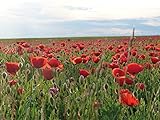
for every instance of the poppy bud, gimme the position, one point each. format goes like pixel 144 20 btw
pixel 71 79
pixel 140 86
pixel 28 65
pixel 12 82
pixel 155 60
pixel 4 75
pixel 28 71
pixel 20 90
pixel 54 90
pixel 65 86
pixel 105 87
pixel 8 90
pixel 96 104
pixel 41 93
pixel 81 79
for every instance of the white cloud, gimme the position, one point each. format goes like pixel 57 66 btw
pixel 152 22
pixel 27 17
pixel 113 31
pixel 94 9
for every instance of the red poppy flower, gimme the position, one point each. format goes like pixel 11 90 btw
pixel 12 67
pixel 127 98
pixel 41 46
pixel 121 80
pixel 153 54
pixel 47 72
pixel 147 65
pixel 129 81
pixel 140 86
pixel 113 65
pixel 141 57
pixel 123 59
pixel 116 56
pixel 133 68
pixel 155 60
pixel 38 62
pixel 20 90
pixel 117 72
pixel 26 45
pixel 62 44
pixel 110 47
pixel 84 72
pixel 134 53
pixel 54 62
pixel 97 53
pixel 12 82
pixel 76 60
pixel 95 59
pixel 80 46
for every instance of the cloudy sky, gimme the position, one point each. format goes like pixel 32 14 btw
pixel 59 18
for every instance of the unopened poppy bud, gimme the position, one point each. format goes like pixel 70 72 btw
pixel 28 65
pixel 4 75
pixel 96 104
pixel 71 79
pixel 116 91
pixel 105 86
pixel 20 90
pixel 28 71
pixel 54 90
pixel 20 64
pixel 22 59
pixel 81 79
pixel 94 86
pixel 8 90
pixel 41 93
pixel 65 86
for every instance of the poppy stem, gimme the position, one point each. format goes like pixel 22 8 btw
pixel 130 46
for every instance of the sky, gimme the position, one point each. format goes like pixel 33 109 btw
pixel 73 18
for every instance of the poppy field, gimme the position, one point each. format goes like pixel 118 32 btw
pixel 80 79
